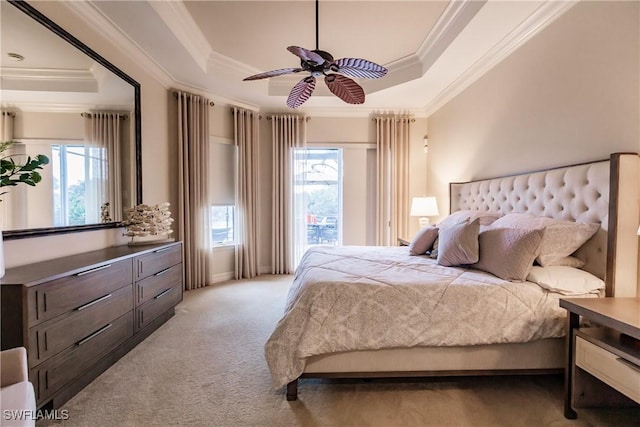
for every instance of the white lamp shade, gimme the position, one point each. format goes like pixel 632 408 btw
pixel 424 206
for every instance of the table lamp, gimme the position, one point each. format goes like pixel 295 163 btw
pixel 424 207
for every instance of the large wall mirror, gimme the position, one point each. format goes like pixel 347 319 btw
pixel 62 99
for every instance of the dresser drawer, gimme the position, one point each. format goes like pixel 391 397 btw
pixel 154 285
pixel 157 305
pixel 63 295
pixel 619 373
pixel 48 339
pixel 53 374
pixel 158 260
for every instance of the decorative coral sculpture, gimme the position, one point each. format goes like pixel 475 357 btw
pixel 148 220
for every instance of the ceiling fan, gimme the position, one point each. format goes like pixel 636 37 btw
pixel 320 63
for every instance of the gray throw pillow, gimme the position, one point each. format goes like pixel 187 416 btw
pixel 458 244
pixel 509 252
pixel 423 240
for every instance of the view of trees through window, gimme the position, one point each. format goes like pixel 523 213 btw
pixel 73 166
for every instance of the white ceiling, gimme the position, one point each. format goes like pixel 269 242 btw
pixel 433 49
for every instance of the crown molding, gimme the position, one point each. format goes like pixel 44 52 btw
pixel 540 19
pixel 449 25
pixel 110 31
pixel 176 16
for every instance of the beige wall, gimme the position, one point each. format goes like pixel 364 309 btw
pixel 570 94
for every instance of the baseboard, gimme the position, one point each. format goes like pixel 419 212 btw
pixel 222 277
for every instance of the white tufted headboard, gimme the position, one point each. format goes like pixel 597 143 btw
pixel 578 193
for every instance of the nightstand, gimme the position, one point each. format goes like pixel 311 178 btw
pixel 602 361
pixel 403 242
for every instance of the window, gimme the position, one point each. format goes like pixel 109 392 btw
pixel 223 162
pixel 222 225
pixel 78 184
pixel 318 197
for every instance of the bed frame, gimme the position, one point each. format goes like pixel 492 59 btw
pixel 579 193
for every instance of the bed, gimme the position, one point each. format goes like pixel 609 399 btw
pixel 380 312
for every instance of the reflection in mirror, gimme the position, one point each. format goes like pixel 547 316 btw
pixel 70 104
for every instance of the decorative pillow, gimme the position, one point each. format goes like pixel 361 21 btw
pixel 565 280
pixel 508 252
pixel 458 244
pixel 457 217
pixel 561 237
pixel 423 240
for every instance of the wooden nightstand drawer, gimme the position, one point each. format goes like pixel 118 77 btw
pixel 619 373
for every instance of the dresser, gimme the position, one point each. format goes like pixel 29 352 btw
pixel 603 353
pixel 78 315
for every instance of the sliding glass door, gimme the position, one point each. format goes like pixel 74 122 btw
pixel 317 198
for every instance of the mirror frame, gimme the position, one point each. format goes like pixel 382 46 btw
pixel 60 32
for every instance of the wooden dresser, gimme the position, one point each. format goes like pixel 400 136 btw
pixel 78 315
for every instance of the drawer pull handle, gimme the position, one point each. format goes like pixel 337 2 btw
pixel 95 301
pixel 93 335
pixel 161 250
pixel 102 267
pixel 160 273
pixel 628 364
pixel 163 293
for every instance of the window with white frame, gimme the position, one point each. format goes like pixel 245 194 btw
pixel 223 163
pixel 79 183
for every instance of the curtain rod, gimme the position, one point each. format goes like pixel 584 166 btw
pixel 121 116
pixel 391 117
pixel 9 113
pixel 176 93
pixel 270 117
pixel 306 118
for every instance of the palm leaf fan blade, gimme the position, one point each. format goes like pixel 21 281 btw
pixel 357 67
pixel 345 88
pixel 273 73
pixel 301 92
pixel 306 55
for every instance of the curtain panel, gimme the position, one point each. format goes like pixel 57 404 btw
pixel 193 188
pixel 103 136
pixel 246 138
pixel 288 132
pixel 392 185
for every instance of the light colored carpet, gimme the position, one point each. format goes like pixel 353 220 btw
pixel 205 367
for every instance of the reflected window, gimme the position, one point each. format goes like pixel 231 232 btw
pixel 79 184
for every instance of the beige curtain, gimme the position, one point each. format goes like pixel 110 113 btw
pixel 288 132
pixel 193 188
pixel 246 139
pixel 6 125
pixel 392 186
pixel 103 131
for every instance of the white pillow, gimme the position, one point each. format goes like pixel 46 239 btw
pixel 565 280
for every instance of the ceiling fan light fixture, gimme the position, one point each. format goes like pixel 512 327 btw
pixel 321 63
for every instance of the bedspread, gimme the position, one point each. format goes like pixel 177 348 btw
pixel 366 298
